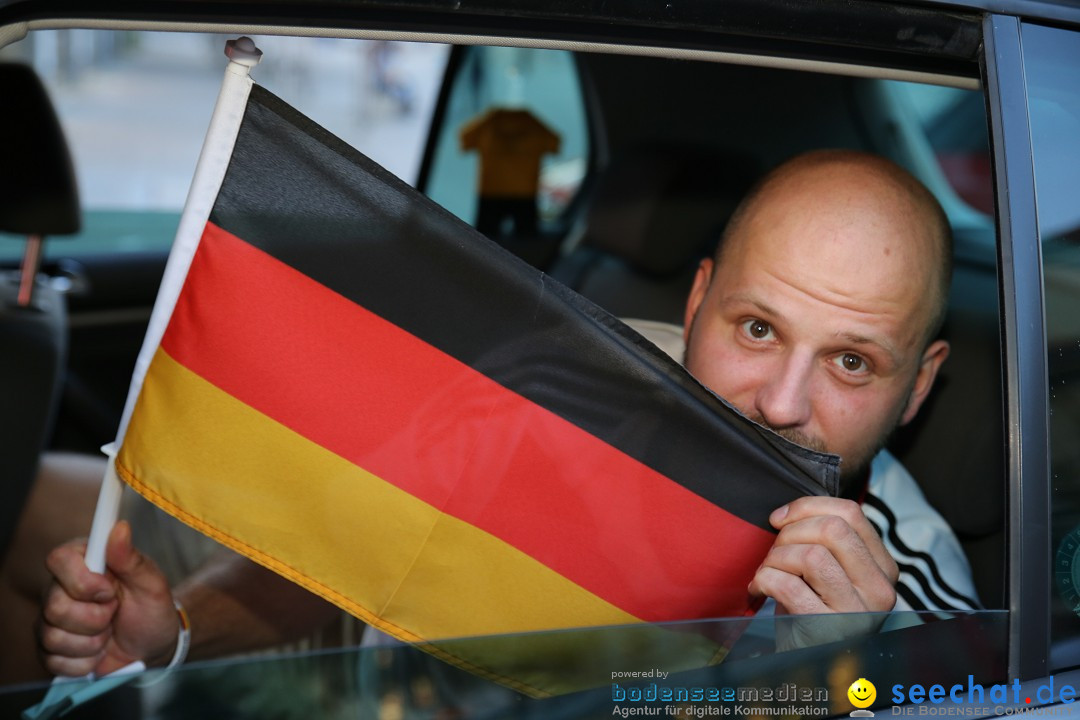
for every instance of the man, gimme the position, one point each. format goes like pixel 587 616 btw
pixel 827 294
pixel 817 318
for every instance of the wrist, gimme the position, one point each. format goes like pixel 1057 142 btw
pixel 176 651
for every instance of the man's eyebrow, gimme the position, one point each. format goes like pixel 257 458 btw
pixel 885 345
pixel 744 297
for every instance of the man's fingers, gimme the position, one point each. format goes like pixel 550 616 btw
pixel 97 623
pixel 790 591
pixel 121 557
pixel 68 566
pixel 56 641
pixel 134 570
pixel 834 533
pixel 852 516
pixel 84 618
pixel 70 654
pixel 70 667
pixel 816 567
pixel 860 570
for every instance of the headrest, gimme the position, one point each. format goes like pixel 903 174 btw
pixel 38 194
pixel 662 207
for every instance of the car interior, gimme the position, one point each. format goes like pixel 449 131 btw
pixel 667 148
pixel 675 160
pixel 39 199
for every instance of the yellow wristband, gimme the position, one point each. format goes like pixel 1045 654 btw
pixel 183 638
pixel 183 643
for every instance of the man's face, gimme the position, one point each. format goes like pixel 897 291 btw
pixel 814 323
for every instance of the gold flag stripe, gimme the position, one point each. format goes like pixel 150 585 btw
pixel 231 472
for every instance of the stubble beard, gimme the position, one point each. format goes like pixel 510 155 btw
pixel 853 471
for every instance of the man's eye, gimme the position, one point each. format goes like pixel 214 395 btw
pixel 758 329
pixel 851 363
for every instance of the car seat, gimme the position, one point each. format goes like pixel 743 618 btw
pixel 38 197
pixel 655 211
pixel 955 447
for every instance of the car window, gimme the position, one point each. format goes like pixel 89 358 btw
pixel 1050 59
pixel 135 106
pixel 941 134
pixel 543 82
pixel 129 208
pixel 954 122
pixel 588 673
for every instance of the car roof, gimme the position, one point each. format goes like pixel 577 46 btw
pixel 906 38
pixel 932 37
pixel 926 30
pixel 749 17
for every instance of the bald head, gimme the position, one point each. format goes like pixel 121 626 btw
pixel 817 315
pixel 872 215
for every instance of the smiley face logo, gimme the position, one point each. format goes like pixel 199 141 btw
pixel 862 693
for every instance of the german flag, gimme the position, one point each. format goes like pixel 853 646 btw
pixel 360 392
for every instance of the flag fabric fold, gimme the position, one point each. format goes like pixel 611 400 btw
pixel 361 392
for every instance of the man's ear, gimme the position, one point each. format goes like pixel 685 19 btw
pixel 932 358
pixel 697 295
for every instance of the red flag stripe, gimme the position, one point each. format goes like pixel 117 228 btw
pixel 388 402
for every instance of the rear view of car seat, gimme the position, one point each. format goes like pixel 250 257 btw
pixel 655 212
pixel 38 197
pixel 955 448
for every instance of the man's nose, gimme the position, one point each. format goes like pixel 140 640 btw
pixel 783 400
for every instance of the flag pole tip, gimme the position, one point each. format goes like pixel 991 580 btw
pixel 242 50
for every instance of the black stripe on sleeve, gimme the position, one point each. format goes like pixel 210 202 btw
pixel 912 599
pixel 894 537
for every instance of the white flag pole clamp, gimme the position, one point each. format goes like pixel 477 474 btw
pixel 243 52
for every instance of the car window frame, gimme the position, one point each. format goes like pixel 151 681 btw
pixel 1024 349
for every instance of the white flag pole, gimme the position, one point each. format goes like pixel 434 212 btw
pixel 209 173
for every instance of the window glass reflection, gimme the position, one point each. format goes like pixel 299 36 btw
pixel 1051 57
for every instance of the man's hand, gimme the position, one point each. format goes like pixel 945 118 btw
pixel 100 623
pixel 826 559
